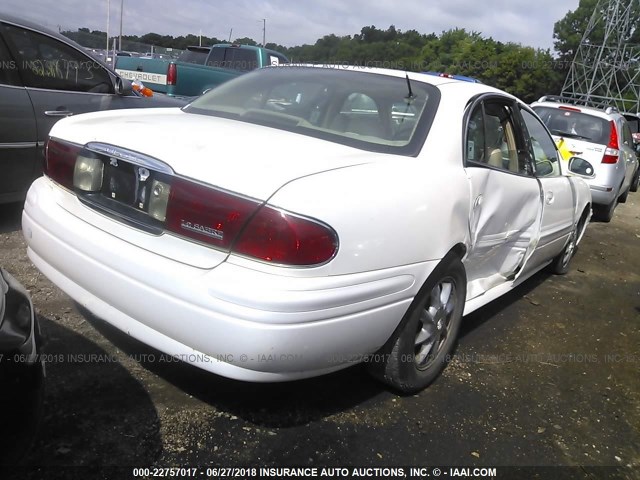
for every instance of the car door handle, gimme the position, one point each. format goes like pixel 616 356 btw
pixel 58 113
pixel 549 198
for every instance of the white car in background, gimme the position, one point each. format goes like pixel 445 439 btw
pixel 601 136
pixel 298 220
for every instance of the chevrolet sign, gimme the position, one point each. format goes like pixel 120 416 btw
pixel 144 77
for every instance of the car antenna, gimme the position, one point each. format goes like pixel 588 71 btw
pixel 410 96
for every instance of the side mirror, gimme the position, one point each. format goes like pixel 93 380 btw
pixel 582 168
pixel 544 168
pixel 123 87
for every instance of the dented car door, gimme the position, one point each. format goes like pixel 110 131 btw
pixel 506 202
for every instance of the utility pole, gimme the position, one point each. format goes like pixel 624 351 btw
pixel 264 31
pixel 121 13
pixel 108 18
pixel 230 32
pixel 605 70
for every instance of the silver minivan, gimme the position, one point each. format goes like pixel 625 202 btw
pixel 602 137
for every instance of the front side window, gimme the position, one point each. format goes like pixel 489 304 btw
pixel 364 110
pixel 542 149
pixel 45 62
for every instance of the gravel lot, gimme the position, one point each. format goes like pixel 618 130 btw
pixel 547 376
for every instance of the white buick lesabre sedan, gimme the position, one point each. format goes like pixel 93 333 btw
pixel 297 220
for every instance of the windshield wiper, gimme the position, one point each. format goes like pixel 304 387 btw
pixel 570 135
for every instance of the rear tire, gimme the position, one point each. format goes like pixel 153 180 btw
pixel 421 346
pixel 560 264
pixel 635 181
pixel 623 198
pixel 604 213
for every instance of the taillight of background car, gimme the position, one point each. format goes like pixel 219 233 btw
pixel 172 74
pixel 612 152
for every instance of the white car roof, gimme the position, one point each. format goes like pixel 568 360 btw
pixel 596 112
pixel 468 88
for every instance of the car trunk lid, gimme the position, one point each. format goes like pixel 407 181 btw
pixel 216 173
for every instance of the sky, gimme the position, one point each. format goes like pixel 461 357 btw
pixel 291 23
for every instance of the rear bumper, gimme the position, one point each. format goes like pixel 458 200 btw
pixel 230 320
pixel 601 196
pixel 606 184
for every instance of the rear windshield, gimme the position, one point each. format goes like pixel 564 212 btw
pixel 364 110
pixel 234 58
pixel 569 123
pixel 194 56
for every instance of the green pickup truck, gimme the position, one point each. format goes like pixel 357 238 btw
pixel 197 69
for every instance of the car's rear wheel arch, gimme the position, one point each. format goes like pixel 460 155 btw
pixel 457 252
pixel 582 223
pixel 384 363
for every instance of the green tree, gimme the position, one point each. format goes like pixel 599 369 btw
pixel 245 41
pixel 151 38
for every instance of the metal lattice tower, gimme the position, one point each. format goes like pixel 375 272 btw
pixel 606 69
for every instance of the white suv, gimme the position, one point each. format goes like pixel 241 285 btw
pixel 603 138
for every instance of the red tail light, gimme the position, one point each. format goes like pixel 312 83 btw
pixel 280 237
pixel 210 216
pixel 60 160
pixel 172 74
pixel 612 152
pixel 247 227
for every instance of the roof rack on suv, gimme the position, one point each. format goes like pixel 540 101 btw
pixel 579 101
pixel 556 98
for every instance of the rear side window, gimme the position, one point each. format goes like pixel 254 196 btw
pixel 45 62
pixel 8 67
pixel 276 59
pixel 573 124
pixel 492 137
pixel 475 137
